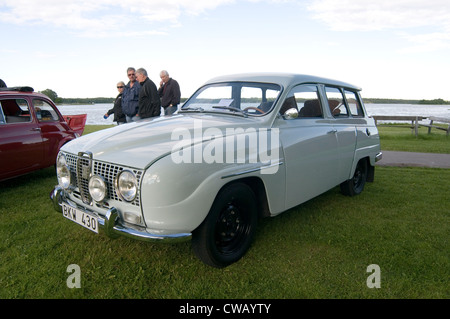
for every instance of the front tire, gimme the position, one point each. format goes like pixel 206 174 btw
pixel 227 232
pixel 355 185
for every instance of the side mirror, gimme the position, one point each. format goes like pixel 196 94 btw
pixel 290 114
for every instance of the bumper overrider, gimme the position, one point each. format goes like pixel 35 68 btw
pixel 111 224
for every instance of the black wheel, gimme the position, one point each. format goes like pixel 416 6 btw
pixel 227 232
pixel 355 185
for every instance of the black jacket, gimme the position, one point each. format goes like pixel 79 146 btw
pixel 149 102
pixel 170 93
pixel 119 117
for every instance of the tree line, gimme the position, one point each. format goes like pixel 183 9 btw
pixel 403 101
pixel 98 100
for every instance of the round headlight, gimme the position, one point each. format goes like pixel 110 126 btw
pixel 63 171
pixel 127 186
pixel 97 188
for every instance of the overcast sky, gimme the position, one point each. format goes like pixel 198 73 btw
pixel 390 48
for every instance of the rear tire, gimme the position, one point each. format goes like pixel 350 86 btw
pixel 227 232
pixel 355 185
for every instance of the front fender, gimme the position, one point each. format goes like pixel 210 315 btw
pixel 177 195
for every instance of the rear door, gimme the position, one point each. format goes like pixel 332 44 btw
pixel 52 132
pixel 346 126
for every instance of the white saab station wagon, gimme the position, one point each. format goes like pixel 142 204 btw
pixel 242 147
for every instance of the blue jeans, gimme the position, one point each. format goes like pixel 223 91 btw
pixel 133 118
pixel 170 110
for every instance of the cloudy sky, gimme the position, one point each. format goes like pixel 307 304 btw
pixel 390 48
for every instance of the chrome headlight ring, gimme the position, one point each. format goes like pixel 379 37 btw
pixel 63 171
pixel 126 185
pixel 97 188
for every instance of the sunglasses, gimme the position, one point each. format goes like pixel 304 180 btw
pixel 131 74
pixel 120 87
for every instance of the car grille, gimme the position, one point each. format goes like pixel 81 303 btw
pixel 82 165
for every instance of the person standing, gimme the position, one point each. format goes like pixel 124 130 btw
pixel 169 92
pixel 130 96
pixel 149 101
pixel 119 117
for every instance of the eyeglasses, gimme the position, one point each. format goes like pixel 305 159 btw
pixel 120 87
pixel 131 74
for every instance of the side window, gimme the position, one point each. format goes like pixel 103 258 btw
pixel 354 104
pixel 305 98
pixel 14 111
pixel 2 116
pixel 258 100
pixel 336 102
pixel 44 111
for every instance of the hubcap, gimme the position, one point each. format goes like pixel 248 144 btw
pixel 230 228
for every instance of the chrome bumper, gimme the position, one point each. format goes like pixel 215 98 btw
pixel 378 157
pixel 113 229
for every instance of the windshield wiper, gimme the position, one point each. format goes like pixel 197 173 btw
pixel 234 109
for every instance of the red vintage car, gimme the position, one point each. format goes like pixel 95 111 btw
pixel 32 131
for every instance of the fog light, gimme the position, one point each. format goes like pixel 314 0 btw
pixel 132 218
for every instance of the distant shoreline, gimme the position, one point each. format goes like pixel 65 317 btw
pixel 109 100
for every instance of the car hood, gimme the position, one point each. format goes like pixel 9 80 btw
pixel 138 144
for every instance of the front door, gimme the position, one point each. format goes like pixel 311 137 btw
pixel 21 148
pixel 310 148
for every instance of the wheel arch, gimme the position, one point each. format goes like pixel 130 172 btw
pixel 370 168
pixel 257 186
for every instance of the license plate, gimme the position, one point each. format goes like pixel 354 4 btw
pixel 81 218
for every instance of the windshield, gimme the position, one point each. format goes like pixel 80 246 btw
pixel 239 98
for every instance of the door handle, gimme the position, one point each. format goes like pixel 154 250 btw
pixel 334 131
pixel 36 129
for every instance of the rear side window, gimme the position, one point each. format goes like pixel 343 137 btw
pixel 14 111
pixel 336 102
pixel 353 104
pixel 44 111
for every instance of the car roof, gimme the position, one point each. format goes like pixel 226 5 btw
pixel 284 79
pixel 21 90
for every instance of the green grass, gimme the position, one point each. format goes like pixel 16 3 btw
pixel 401 138
pixel 393 137
pixel 320 249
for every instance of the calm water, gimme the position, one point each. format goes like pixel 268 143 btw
pixel 95 112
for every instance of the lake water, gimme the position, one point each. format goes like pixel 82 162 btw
pixel 95 112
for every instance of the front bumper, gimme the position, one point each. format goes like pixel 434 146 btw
pixel 112 226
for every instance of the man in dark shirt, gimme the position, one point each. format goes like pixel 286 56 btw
pixel 149 101
pixel 170 94
pixel 130 96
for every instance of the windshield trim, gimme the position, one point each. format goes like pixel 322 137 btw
pixel 219 109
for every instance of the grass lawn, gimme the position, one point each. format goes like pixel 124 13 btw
pixel 320 249
pixel 400 138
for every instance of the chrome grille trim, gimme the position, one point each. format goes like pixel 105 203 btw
pixel 108 171
pixel 84 169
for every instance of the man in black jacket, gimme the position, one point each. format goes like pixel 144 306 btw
pixel 169 91
pixel 149 102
